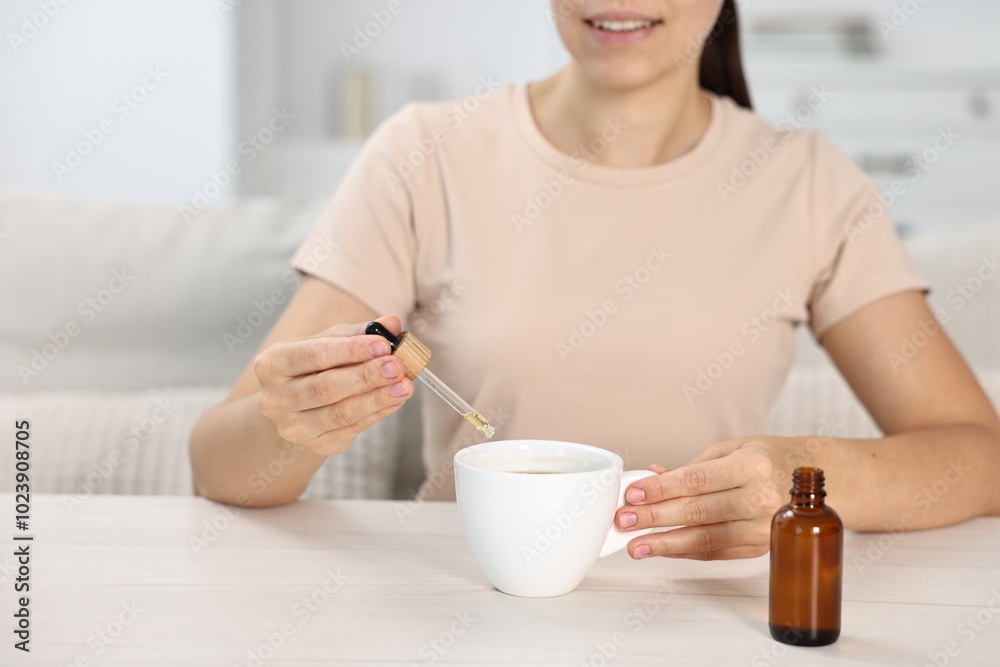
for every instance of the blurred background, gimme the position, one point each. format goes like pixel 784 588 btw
pixel 161 160
pixel 898 72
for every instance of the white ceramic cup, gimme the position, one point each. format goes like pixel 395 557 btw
pixel 539 513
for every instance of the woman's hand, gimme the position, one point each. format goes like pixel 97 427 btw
pixel 724 500
pixel 322 391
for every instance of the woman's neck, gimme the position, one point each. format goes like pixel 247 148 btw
pixel 661 121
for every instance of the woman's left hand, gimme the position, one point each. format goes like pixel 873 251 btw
pixel 724 500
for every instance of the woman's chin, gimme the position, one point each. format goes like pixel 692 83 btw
pixel 623 76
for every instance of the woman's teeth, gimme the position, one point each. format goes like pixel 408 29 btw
pixel 621 26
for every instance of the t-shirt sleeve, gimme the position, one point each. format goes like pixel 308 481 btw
pixel 858 257
pixel 365 241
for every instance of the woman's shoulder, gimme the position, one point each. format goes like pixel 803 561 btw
pixel 790 139
pixel 409 147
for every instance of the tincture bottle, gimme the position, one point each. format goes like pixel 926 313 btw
pixel 807 553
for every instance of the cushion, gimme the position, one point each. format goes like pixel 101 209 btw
pixel 117 297
pixel 85 442
pixel 963 266
pixel 817 400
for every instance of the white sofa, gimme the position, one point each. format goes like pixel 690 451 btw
pixel 121 323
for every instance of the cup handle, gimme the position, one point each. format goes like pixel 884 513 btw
pixel 617 539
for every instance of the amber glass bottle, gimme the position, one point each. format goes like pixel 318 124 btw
pixel 807 553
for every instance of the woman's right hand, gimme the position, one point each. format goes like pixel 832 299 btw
pixel 322 391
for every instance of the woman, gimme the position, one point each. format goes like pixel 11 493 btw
pixel 583 265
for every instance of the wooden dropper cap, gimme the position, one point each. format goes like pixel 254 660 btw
pixel 414 354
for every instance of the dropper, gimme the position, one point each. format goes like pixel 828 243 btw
pixel 415 357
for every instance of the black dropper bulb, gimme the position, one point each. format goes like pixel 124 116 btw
pixel 376 329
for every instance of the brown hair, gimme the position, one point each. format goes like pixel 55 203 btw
pixel 721 70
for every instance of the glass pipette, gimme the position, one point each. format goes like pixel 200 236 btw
pixel 415 356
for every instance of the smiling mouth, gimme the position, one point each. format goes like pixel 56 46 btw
pixel 622 26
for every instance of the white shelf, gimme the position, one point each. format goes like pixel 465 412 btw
pixel 869 74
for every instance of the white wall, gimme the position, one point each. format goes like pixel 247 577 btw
pixel 64 80
pixel 432 48
pixel 291 54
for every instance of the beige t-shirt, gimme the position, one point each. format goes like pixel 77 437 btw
pixel 647 311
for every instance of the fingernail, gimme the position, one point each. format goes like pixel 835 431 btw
pixel 642 551
pixel 379 348
pixel 398 390
pixel 627 520
pixel 635 495
pixel 389 370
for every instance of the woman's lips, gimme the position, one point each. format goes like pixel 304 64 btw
pixel 620 32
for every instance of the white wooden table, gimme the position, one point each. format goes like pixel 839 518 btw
pixel 118 582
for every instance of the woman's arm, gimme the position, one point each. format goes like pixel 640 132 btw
pixel 319 391
pixel 938 464
pixel 940 459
